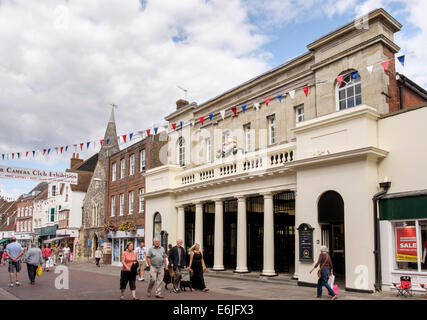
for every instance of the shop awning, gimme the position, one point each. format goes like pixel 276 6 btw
pixel 4 240
pixel 54 239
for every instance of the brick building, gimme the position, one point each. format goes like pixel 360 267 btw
pixel 125 205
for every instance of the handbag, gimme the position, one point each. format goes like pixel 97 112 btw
pixel 319 272
pixel 39 271
pixel 134 269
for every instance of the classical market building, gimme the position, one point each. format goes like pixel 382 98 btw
pixel 264 174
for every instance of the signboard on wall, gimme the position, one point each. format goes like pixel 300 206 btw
pixel 107 247
pixel 305 242
pixel 37 174
pixel 406 244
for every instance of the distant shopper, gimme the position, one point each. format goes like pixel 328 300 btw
pixel 140 253
pixel 156 260
pixel 25 249
pixel 66 254
pixel 325 263
pixel 33 258
pixel 4 257
pixel 129 271
pixel 98 256
pixel 55 252
pixel 14 253
pixel 47 256
pixel 1 252
pixel 197 267
pixel 177 261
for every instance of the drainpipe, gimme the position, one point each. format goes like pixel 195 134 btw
pixel 377 251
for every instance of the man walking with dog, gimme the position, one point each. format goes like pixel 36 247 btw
pixel 177 262
pixel 156 260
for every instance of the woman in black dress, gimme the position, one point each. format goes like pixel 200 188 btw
pixel 197 267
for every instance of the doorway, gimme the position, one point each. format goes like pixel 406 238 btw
pixel 230 234
pixel 331 219
pixel 255 233
pixel 208 233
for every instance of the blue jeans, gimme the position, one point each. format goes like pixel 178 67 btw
pixel 323 281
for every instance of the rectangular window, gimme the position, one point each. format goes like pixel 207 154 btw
pixel 132 165
pixel 19 212
pixel 114 173
pixel 208 149
pixel 26 211
pixel 122 168
pixel 248 142
pixel 122 202
pixel 141 200
pixel 29 226
pixel 272 129
pixel 142 160
pixel 52 214
pixel 299 114
pixel 53 191
pixel 113 206
pixel 31 211
pixel 131 198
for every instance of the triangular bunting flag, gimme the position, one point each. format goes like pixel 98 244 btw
pixel 292 93
pixel 44 151
pixel 155 130
pixel 18 155
pixel 193 122
pixel 87 145
pixel 256 105
pixel 81 146
pixel 370 68
pixel 148 132
pixel 56 149
pixel 130 136
pixel 339 79
pixel 124 138
pixel 174 126
pixel 267 100
pixel 3 156
pixel 34 153
pixel 182 124
pixel 201 119
pixel 355 75
pixel 279 97
pixel 222 112
pixel 13 155
pixel 244 108
pixel 305 90
pixel 101 142
pixel 66 148
pixel 234 111
pixel 401 60
pixel 210 116
pixel 26 155
pixel 48 151
pixel 62 148
pixel 385 65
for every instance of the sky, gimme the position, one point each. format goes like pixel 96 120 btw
pixel 62 63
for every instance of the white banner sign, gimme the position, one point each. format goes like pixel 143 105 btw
pixel 38 174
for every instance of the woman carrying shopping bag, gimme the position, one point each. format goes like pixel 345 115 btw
pixel 47 253
pixel 34 260
pixel 325 263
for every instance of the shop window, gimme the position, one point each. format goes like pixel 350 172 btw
pixel 423 231
pixel 405 235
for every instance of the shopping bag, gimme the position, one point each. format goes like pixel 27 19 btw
pixel 39 271
pixel 331 280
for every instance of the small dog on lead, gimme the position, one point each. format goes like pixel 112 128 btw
pixel 185 284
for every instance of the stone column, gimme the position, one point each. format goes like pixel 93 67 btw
pixel 268 269
pixel 181 223
pixel 242 265
pixel 219 237
pixel 199 225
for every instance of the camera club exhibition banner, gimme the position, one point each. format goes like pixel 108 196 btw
pixel 38 174
pixel 406 246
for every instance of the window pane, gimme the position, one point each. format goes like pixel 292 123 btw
pixel 350 91
pixel 358 100
pixel 350 102
pixel 342 104
pixel 342 94
pixel 358 88
pixel 405 246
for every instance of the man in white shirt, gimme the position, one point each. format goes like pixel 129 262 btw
pixel 140 254
pixel 66 253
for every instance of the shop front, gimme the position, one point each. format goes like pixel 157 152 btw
pixel 46 234
pixel 403 228
pixel 24 238
pixel 119 239
pixel 70 237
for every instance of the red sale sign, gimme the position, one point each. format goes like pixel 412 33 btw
pixel 406 244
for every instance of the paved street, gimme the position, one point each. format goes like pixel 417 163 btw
pixel 88 282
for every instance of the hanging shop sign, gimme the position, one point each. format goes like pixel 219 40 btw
pixel 406 244
pixel 305 242
pixel 37 174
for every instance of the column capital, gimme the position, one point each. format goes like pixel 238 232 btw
pixel 199 203
pixel 241 197
pixel 218 200
pixel 267 194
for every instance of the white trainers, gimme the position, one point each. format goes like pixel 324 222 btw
pixel 11 285
pixel 18 283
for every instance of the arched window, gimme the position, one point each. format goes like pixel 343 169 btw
pixel 349 93
pixel 181 151
pixel 157 225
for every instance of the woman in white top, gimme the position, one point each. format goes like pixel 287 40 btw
pixel 65 253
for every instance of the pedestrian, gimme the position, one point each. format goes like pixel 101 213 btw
pixel 4 257
pixel 34 259
pixel 14 253
pixel 24 247
pixel 197 267
pixel 129 271
pixel 177 262
pixel 140 253
pixel 325 263
pixel 55 252
pixel 156 260
pixel 98 256
pixel 47 253
pixel 1 252
pixel 65 253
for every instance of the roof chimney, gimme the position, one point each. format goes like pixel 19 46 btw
pixel 181 103
pixel 75 161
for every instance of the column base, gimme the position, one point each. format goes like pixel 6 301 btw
pixel 241 271
pixel 268 273
pixel 218 268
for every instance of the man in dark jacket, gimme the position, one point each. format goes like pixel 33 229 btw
pixel 177 261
